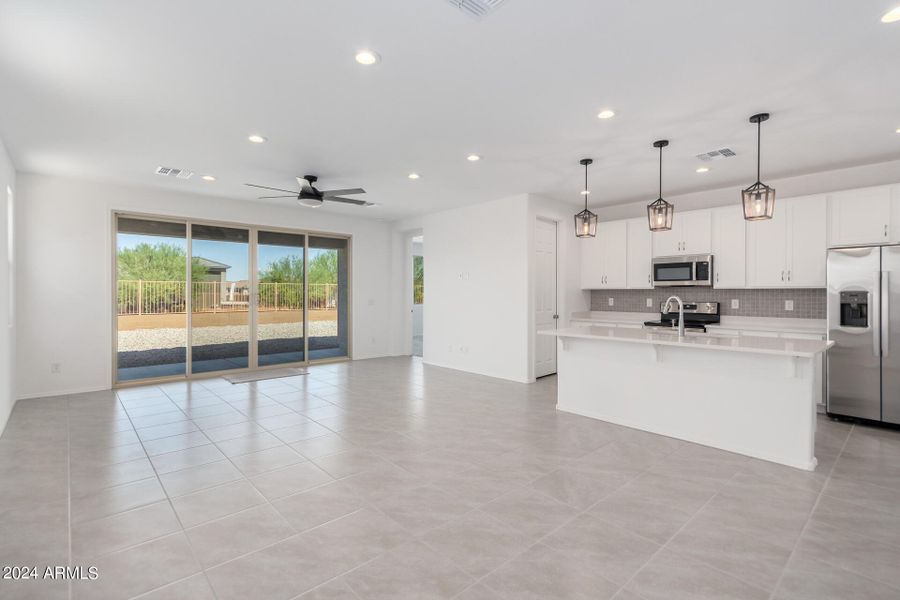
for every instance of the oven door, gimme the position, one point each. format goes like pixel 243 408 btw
pixel 673 273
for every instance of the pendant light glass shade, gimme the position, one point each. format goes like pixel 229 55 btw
pixel 758 199
pixel 585 224
pixel 659 215
pixel 659 212
pixel 585 221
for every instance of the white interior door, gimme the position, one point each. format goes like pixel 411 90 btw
pixel 545 315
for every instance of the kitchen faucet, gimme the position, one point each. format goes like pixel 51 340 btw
pixel 667 308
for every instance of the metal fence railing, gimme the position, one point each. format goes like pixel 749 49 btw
pixel 139 297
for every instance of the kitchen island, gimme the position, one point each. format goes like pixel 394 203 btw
pixel 750 395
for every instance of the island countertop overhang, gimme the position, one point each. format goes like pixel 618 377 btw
pixel 757 345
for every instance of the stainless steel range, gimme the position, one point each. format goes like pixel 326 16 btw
pixel 697 315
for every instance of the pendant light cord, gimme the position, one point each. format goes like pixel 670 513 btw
pixel 585 187
pixel 758 138
pixel 660 171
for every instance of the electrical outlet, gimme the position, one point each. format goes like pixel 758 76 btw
pixel 788 305
pixel 54 368
pixel 649 302
pixel 735 303
pixel 612 301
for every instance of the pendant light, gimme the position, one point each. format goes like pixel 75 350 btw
pixel 660 212
pixel 585 221
pixel 758 199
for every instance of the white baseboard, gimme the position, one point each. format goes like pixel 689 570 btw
pixel 69 392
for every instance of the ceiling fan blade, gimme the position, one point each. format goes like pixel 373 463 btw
pixel 345 192
pixel 346 200
pixel 265 187
pixel 267 197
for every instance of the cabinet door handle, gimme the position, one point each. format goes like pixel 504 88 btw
pixel 789 275
pixel 782 275
pixel 717 277
pixel 885 230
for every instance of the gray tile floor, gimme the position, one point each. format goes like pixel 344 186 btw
pixel 387 479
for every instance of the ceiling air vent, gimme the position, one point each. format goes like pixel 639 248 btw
pixel 716 154
pixel 170 172
pixel 477 8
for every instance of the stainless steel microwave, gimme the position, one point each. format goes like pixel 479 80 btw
pixel 694 270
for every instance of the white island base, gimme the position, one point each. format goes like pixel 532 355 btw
pixel 752 396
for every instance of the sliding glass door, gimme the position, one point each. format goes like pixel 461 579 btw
pixel 196 298
pixel 280 262
pixel 151 295
pixel 329 307
pixel 220 298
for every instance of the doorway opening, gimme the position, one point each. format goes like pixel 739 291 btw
pixel 418 300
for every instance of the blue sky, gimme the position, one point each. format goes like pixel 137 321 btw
pixel 230 253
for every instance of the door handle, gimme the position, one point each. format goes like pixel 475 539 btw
pixel 782 275
pixel 876 299
pixel 885 314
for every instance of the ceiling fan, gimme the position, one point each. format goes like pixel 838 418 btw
pixel 314 198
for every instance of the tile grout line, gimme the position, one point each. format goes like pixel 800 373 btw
pixel 171 506
pixel 809 520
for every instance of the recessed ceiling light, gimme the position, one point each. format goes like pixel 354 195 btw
pixel 703 169
pixel 367 57
pixel 898 130
pixel 606 114
pixel 256 139
pixel 891 16
pixel 413 175
pixel 473 157
pixel 208 178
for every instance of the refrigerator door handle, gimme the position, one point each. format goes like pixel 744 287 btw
pixel 885 314
pixel 876 314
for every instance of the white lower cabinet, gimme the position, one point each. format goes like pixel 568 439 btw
pixel 639 255
pixel 729 247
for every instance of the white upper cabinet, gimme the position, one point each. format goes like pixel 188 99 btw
pixel 789 249
pixel 729 247
pixel 690 234
pixel 603 258
pixel 861 216
pixel 809 247
pixel 638 255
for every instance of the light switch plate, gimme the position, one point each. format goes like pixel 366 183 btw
pixel 612 301
pixel 649 302
pixel 788 305
pixel 735 303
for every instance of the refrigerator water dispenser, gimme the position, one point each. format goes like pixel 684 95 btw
pixel 855 309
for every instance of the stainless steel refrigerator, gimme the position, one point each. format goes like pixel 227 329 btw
pixel 864 322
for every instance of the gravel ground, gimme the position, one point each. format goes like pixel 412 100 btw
pixel 153 339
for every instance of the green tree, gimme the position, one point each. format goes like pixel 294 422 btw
pixel 287 269
pixel 156 262
pixel 418 279
pixel 323 267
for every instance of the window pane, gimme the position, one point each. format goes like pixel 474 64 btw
pixel 280 331
pixel 151 267
pixel 329 310
pixel 220 296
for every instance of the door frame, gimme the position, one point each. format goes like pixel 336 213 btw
pixel 253 317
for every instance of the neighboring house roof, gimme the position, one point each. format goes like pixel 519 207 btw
pixel 213 266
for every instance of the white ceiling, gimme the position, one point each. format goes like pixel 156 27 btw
pixel 112 89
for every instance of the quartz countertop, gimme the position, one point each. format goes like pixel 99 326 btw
pixel 781 325
pixel 752 344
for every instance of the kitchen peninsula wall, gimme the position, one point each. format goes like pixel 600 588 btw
pixel 808 303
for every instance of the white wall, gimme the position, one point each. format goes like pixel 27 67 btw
pixel 479 278
pixel 7 291
pixel 65 280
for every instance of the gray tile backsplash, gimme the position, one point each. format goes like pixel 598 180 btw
pixel 808 303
